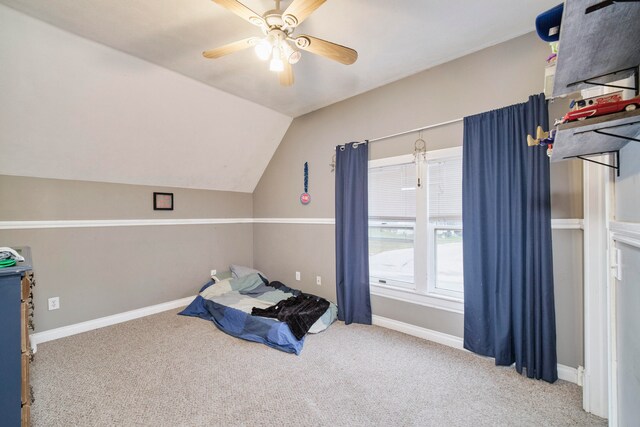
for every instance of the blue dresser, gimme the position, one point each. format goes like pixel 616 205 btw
pixel 15 306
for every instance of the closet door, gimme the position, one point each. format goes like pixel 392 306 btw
pixel 627 315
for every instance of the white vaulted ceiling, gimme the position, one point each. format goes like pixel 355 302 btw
pixel 98 92
pixel 78 110
pixel 394 39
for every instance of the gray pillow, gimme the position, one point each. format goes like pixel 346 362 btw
pixel 222 276
pixel 241 271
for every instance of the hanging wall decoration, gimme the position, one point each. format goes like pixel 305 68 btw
pixel 305 198
pixel 420 155
pixel 162 201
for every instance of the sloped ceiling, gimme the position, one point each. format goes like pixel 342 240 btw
pixel 394 39
pixel 75 109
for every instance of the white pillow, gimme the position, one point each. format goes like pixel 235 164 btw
pixel 241 271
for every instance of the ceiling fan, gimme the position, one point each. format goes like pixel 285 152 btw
pixel 278 41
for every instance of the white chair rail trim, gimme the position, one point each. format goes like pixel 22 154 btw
pixel 556 224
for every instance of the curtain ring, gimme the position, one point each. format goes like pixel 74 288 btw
pixel 342 148
pixel 355 145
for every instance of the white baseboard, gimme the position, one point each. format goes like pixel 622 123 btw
pixel 565 373
pixel 89 325
pixel 417 331
pixel 570 374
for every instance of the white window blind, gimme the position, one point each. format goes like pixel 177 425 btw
pixel 392 192
pixel 445 189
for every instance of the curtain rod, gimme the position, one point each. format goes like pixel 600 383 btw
pixel 416 130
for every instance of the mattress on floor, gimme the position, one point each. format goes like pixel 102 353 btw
pixel 228 305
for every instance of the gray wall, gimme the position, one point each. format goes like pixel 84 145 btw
pixel 498 76
pixel 627 184
pixel 100 271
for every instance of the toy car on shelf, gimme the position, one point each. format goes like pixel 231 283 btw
pixel 599 106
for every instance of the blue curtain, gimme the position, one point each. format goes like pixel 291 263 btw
pixel 509 309
pixel 352 233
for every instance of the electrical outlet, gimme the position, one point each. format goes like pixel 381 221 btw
pixel 213 272
pixel 54 303
pixel 297 275
pixel 318 280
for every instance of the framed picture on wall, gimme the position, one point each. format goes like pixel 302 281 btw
pixel 162 201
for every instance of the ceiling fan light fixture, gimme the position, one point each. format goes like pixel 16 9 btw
pixel 295 57
pixel 263 49
pixel 292 56
pixel 276 63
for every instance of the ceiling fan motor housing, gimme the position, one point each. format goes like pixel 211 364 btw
pixel 273 18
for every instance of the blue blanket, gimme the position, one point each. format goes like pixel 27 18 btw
pixel 228 305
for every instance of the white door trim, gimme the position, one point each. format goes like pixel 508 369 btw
pixel 597 208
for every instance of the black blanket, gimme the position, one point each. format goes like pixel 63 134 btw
pixel 299 312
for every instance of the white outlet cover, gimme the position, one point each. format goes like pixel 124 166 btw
pixel 318 280
pixel 54 303
pixel 297 275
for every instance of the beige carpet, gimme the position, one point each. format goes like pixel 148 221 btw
pixel 169 370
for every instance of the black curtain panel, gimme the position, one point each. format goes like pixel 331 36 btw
pixel 352 233
pixel 508 268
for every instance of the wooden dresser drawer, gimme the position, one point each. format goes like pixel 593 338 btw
pixel 24 333
pixel 26 391
pixel 25 289
pixel 26 416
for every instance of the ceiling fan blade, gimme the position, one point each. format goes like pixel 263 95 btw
pixel 230 48
pixel 299 10
pixel 242 11
pixel 286 75
pixel 327 49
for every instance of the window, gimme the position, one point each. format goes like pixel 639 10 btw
pixel 444 182
pixel 415 232
pixel 392 223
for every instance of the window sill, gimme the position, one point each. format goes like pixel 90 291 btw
pixel 440 302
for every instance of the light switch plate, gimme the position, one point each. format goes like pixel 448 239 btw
pixel 617 264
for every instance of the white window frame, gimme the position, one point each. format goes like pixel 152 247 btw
pixel 424 292
pixel 447 153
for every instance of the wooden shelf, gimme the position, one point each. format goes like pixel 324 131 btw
pixel 599 47
pixel 596 135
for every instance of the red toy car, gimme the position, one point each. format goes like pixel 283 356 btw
pixel 600 106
